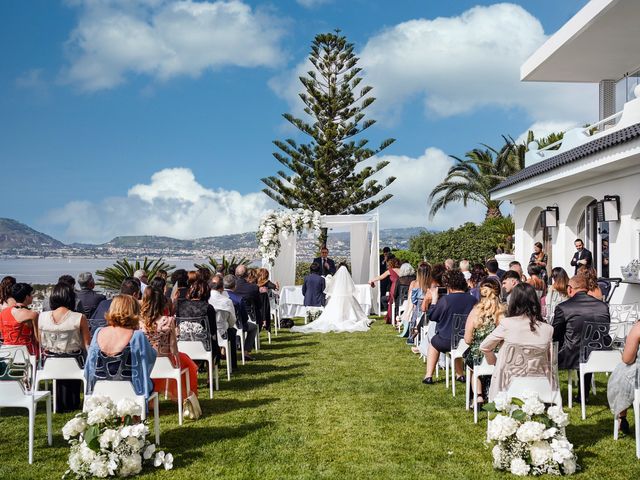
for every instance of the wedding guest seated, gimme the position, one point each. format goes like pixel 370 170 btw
pixel 442 311
pixel 141 275
pixel 90 299
pixel 516 266
pixel 557 292
pixel 510 279
pixel 249 292
pixel 622 381
pixel 494 269
pixel 64 333
pixel 535 280
pixel 6 300
pixel 129 286
pixel 482 320
pixel 242 318
pixel 464 268
pixel 197 305
pixel 407 274
pixel 418 290
pixel 18 324
pixel 313 287
pixel 180 281
pixel 568 322
pixel 222 303
pixel 192 276
pixel 522 325
pixel 69 280
pixel 591 276
pixel 449 263
pixel 266 288
pixel 160 330
pixel 203 274
pixel 120 351
pixel 478 273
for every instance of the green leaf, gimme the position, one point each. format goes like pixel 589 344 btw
pixel 91 435
pixel 490 407
pixel 519 415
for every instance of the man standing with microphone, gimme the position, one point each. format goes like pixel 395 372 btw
pixel 327 266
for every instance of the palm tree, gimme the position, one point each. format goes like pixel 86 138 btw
pixel 111 277
pixel 225 263
pixel 471 178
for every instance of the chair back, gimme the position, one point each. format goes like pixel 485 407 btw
pixel 194 329
pixel 115 389
pixel 457 332
pixel 112 368
pixel 401 293
pixel 12 393
pixel 521 386
pixel 527 361
pixel 163 366
pixel 251 310
pixel 61 341
pixel 16 364
pixel 222 323
pixel 624 312
pixel 598 336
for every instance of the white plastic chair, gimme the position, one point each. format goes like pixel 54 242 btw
pixel 22 352
pixel 481 370
pixel 59 369
pixel 520 386
pixel 197 344
pixel 275 312
pixel 222 317
pixel 164 369
pixel 13 394
pixel 458 347
pixel 624 312
pixel 117 390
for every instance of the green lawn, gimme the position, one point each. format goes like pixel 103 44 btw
pixel 329 406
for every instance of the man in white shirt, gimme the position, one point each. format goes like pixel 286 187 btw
pixel 220 300
pixel 464 268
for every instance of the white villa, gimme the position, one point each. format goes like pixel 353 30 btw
pixel 589 187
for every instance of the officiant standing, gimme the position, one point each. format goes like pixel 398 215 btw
pixel 327 266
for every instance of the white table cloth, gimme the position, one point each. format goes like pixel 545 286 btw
pixel 292 300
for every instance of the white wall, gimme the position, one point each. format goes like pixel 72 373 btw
pixel 624 236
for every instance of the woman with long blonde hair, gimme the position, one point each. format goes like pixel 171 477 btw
pixel 418 289
pixel 482 320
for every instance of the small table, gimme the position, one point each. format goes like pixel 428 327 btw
pixel 292 300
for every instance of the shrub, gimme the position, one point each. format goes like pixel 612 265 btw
pixel 470 241
pixel 408 256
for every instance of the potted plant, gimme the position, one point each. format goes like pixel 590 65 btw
pixel 505 231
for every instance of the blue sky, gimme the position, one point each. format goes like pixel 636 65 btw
pixel 158 116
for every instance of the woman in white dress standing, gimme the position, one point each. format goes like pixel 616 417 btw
pixel 342 313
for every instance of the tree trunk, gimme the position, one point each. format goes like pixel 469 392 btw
pixel 493 212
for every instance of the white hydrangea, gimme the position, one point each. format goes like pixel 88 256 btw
pixel 530 432
pixel 149 451
pixel 502 401
pixel 86 454
pixel 541 452
pixel 127 406
pixel 569 466
pixel 109 436
pixel 74 427
pixel 98 467
pixel 95 401
pixel 558 416
pixel 562 450
pixel 502 427
pixel 100 414
pixel 549 433
pixel 498 456
pixel 130 465
pixel 75 461
pixel 519 467
pixel 533 406
pixel 165 460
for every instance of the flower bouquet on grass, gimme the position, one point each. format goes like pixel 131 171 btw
pixel 529 439
pixel 105 442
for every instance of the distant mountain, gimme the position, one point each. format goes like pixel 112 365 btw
pixel 19 239
pixel 18 236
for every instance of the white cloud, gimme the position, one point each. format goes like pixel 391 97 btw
pixel 172 204
pixel 312 3
pixel 416 177
pixel 457 65
pixel 163 39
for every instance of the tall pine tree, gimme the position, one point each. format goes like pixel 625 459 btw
pixel 328 173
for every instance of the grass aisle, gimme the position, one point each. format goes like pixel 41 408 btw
pixel 348 406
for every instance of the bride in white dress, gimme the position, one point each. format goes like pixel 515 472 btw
pixel 343 313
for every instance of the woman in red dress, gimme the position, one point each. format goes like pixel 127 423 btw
pixel 18 323
pixel 393 272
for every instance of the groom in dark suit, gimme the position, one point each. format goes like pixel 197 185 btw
pixel 313 287
pixel 327 266
pixel 582 257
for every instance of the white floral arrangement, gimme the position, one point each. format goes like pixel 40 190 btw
pixel 312 313
pixel 287 222
pixel 105 441
pixel 529 439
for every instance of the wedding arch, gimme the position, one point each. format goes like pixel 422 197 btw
pixel 278 235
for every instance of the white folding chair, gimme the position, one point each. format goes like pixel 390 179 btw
pixel 458 347
pixel 194 339
pixel 117 390
pixel 13 394
pixel 164 369
pixel 481 370
pixel 600 352
pixel 54 369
